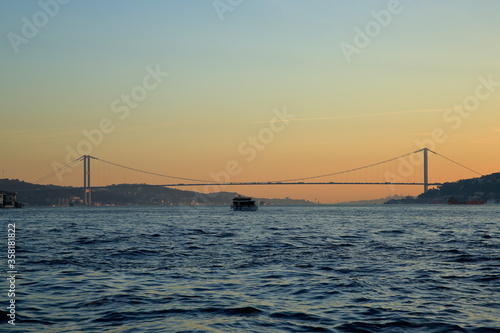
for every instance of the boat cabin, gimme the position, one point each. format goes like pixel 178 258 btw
pixel 243 203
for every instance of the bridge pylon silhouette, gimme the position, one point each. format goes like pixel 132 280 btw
pixel 87 189
pixel 426 169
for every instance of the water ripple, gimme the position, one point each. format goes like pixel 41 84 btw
pixel 293 269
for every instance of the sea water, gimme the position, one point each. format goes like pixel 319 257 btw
pixel 388 268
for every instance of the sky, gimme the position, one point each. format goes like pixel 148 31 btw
pixel 250 90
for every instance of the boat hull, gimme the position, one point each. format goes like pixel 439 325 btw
pixel 244 208
pixel 454 201
pixel 474 202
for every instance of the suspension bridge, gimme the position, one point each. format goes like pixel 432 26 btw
pixel 175 181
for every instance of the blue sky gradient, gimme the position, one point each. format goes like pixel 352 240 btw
pixel 226 76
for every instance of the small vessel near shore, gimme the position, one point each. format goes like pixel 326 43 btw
pixel 242 203
pixel 473 201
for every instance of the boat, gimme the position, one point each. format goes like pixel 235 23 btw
pixel 474 201
pixel 242 203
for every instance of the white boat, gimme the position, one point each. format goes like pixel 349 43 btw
pixel 242 203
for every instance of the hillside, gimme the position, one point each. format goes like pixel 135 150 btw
pixel 486 188
pixel 122 195
pixel 372 201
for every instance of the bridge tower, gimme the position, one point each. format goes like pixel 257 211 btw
pixel 426 169
pixel 87 194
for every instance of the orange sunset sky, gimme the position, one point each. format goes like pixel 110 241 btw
pixel 258 90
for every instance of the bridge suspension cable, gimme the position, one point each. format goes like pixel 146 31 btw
pixel 55 172
pixel 152 173
pixel 463 166
pixel 351 170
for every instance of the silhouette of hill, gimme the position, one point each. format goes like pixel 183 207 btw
pixel 372 201
pixel 486 188
pixel 122 195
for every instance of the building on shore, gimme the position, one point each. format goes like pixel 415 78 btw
pixel 8 200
